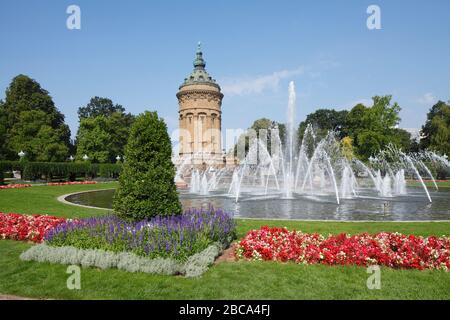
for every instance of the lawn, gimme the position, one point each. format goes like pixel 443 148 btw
pixel 226 280
pixel 430 184
pixel 43 200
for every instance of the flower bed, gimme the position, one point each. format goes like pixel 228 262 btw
pixel 16 186
pixel 176 237
pixel 194 266
pixel 69 183
pixel 26 227
pixel 26 185
pixel 389 249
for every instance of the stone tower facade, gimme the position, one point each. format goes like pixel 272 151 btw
pixel 200 118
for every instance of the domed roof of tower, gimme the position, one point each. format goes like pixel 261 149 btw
pixel 199 75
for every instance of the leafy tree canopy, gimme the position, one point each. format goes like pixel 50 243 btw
pixel 103 138
pixel 32 123
pixel 347 148
pixel 103 131
pixel 261 126
pixel 436 130
pixel 98 106
pixel 372 128
pixel 323 120
pixel 3 121
pixel 402 139
pixel 34 134
pixel 265 125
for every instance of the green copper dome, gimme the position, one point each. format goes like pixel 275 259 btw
pixel 199 75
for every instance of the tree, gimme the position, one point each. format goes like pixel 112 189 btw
pixel 436 130
pixel 402 139
pixel 146 184
pixel 33 123
pixel 386 116
pixel 94 140
pixel 372 128
pixel 260 126
pixel 324 120
pixel 370 143
pixel 34 134
pixel 266 125
pixel 98 106
pixel 103 138
pixel 3 121
pixel 354 122
pixel 347 148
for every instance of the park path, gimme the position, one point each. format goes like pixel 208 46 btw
pixel 227 255
pixel 11 297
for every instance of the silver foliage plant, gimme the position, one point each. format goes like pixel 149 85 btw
pixel 195 266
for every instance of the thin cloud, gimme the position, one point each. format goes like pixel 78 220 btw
pixel 427 99
pixel 258 84
pixel 329 63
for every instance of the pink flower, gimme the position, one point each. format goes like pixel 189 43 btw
pixel 26 227
pixel 384 248
pixel 70 183
pixel 15 186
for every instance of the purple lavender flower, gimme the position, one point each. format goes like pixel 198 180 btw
pixel 167 236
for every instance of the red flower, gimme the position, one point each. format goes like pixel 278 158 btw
pixel 16 186
pixel 70 183
pixel 388 249
pixel 26 227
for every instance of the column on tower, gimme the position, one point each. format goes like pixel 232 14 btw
pixel 211 132
pixel 198 134
pixel 189 132
pixel 182 134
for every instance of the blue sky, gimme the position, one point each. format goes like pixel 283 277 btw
pixel 138 52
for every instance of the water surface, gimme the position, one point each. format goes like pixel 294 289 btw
pixel 414 206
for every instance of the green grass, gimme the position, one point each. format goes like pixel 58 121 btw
pixel 430 184
pixel 416 228
pixel 227 280
pixel 43 200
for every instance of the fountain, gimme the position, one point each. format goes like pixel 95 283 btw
pixel 348 183
pixel 313 179
pixel 195 182
pixel 386 188
pixel 400 182
pixel 289 182
pixel 204 185
pixel 314 172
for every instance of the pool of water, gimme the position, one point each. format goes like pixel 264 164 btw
pixel 414 206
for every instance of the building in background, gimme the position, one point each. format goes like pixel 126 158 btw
pixel 200 119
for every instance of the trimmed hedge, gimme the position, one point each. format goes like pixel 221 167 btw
pixel 6 165
pixel 61 170
pixel 147 182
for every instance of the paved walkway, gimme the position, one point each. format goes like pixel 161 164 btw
pixel 227 255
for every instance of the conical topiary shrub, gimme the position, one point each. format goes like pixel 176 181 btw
pixel 146 183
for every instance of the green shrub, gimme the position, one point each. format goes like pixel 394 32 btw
pixel 61 170
pixel 127 261
pixel 198 263
pixel 109 170
pixel 146 184
pixel 9 166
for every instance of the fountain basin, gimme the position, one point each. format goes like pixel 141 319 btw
pixel 365 207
